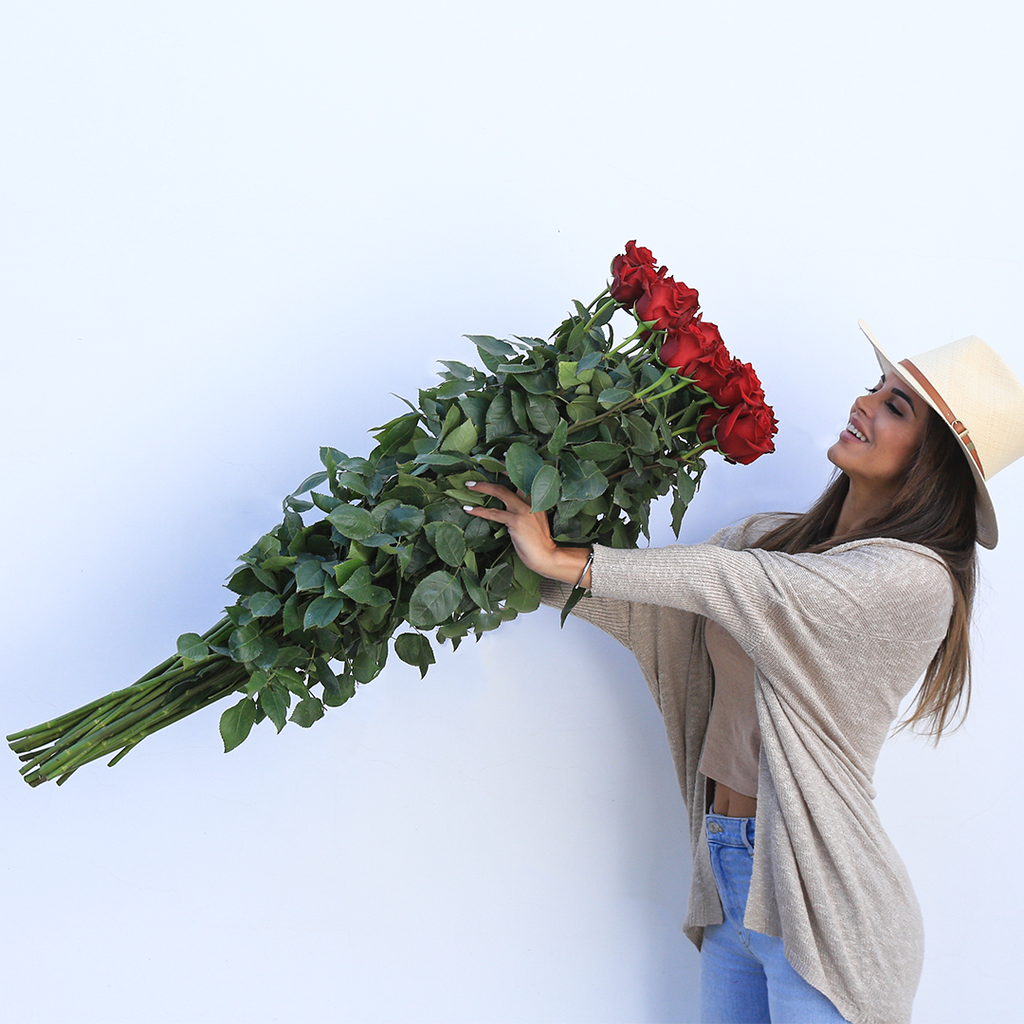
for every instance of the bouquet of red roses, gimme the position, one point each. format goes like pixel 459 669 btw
pixel 592 431
pixel 740 423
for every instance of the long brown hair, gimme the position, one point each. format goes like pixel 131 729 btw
pixel 934 506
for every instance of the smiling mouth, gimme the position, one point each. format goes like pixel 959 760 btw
pixel 856 433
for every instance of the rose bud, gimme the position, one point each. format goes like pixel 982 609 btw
pixel 630 272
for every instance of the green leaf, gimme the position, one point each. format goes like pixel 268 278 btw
pixel 641 434
pixel 344 570
pixel 322 612
pixel 353 522
pixel 244 581
pixel 582 481
pixel 452 388
pixel 546 489
pixel 458 369
pixel 522 421
pixel 475 408
pixel 517 368
pixel 683 492
pixel 313 480
pixel 292 614
pixel 499 420
pixel 558 438
pixel 567 376
pixel 522 601
pixel 598 451
pixel 492 345
pixel 291 657
pixel 309 575
pixel 307 712
pixel 359 586
pixel 274 699
pixel 489 463
pixel 293 682
pixel 437 459
pixel 192 647
pixel 435 599
pixel 414 649
pixel 244 643
pixel 686 485
pixel 266 653
pixel 463 438
pixel 393 435
pixel 613 396
pixel 355 482
pixel 475 591
pixel 543 413
pixel 522 464
pixel 236 722
pixel 527 579
pixel 324 674
pixel 276 562
pixel 337 689
pixel 582 408
pixel 369 661
pixel 571 602
pixel 448 541
pixel 541 383
pixel 325 502
pixel 263 604
pixel 402 520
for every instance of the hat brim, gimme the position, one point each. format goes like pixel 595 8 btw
pixel 988 529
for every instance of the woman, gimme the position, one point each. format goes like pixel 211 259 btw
pixel 779 653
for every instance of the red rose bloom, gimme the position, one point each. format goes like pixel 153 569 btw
pixel 691 341
pixel 630 272
pixel 740 386
pixel 667 302
pixel 742 434
pixel 711 373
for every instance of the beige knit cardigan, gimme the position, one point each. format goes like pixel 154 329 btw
pixel 837 640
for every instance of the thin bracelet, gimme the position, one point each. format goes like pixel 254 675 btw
pixel 590 562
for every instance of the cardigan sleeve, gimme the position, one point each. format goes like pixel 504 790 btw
pixel 767 600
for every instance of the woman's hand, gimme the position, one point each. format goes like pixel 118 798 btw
pixel 531 534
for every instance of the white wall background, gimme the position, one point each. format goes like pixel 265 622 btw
pixel 230 230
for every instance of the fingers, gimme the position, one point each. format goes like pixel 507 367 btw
pixel 514 501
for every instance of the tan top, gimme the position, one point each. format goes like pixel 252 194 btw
pixel 838 639
pixel 733 744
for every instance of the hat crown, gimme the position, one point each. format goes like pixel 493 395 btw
pixel 983 394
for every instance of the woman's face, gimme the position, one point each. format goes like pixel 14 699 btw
pixel 886 428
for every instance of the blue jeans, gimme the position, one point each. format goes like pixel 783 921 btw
pixel 745 977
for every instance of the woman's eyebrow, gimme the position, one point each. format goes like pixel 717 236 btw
pixel 906 398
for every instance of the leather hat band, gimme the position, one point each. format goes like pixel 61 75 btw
pixel 954 423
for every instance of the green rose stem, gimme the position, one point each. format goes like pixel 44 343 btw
pixel 113 721
pixel 684 458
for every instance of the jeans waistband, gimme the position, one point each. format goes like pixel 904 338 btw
pixel 728 831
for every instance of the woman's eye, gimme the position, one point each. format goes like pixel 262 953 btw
pixel 871 391
pixel 892 408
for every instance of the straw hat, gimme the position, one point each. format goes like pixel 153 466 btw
pixel 980 399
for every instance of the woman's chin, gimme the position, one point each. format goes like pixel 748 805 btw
pixel 835 455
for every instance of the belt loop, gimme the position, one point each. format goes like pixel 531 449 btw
pixel 748 834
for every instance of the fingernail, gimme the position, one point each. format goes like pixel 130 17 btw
pixel 471 483
pixel 468 508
